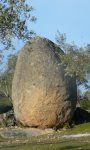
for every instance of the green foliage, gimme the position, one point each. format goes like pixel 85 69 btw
pixel 6 121
pixel 43 128
pixel 14 15
pixel 86 100
pixel 85 104
pixel 68 126
pixel 54 128
pixel 5 104
pixel 87 94
pixel 83 100
pixel 76 60
pixel 20 124
pixel 72 125
pixel 7 76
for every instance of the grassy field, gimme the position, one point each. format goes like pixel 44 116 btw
pixel 48 141
pixel 70 144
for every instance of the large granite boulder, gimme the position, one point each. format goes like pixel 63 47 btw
pixel 42 95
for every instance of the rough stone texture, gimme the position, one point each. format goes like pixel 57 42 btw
pixel 8 119
pixel 42 95
pixel 21 133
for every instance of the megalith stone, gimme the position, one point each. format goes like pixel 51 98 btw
pixel 42 95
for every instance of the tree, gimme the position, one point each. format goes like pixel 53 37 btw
pixel 79 97
pixel 76 60
pixel 77 64
pixel 13 17
pixel 86 100
pixel 83 100
pixel 7 76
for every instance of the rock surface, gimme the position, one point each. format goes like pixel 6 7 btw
pixel 21 133
pixel 42 95
pixel 8 119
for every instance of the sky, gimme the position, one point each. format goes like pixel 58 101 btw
pixel 71 17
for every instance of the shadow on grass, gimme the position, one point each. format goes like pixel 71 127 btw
pixel 80 116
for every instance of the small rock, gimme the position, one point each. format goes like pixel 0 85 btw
pixel 8 119
pixel 1 128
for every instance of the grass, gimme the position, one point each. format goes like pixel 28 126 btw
pixel 48 144
pixel 49 141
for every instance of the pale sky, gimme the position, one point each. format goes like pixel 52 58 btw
pixel 67 16
pixel 71 17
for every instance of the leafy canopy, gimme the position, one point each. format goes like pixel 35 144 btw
pixel 76 60
pixel 13 17
pixel 6 77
